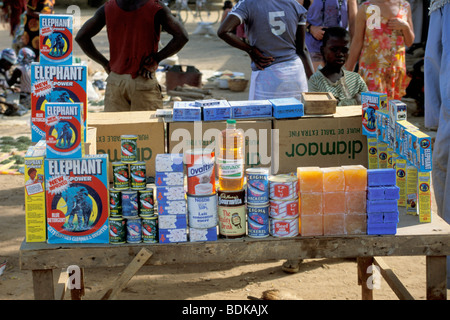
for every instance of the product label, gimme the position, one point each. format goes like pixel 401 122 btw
pixel 231 169
pixel 232 221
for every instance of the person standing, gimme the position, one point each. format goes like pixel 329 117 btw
pixel 133 28
pixel 275 29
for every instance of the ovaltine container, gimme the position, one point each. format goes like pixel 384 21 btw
pixel 150 229
pixel 115 202
pixel 258 221
pixel 117 230
pixel 130 205
pixel 138 175
pixel 232 214
pixel 121 176
pixel 284 209
pixel 202 211
pixel 128 146
pixel 283 186
pixel 201 179
pixel 257 185
pixel 134 230
pixel 284 228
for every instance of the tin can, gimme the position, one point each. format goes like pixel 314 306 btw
pixel 284 209
pixel 146 202
pixel 283 186
pixel 138 175
pixel 134 230
pixel 231 198
pixel 201 178
pixel 202 211
pixel 149 228
pixel 115 202
pixel 121 176
pixel 232 221
pixel 128 147
pixel 130 206
pixel 258 221
pixel 117 230
pixel 284 228
pixel 257 185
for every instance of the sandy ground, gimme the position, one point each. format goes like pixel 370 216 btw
pixel 318 279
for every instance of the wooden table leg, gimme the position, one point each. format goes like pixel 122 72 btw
pixel 364 273
pixel 436 277
pixel 43 284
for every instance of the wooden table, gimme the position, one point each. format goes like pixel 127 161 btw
pixel 412 239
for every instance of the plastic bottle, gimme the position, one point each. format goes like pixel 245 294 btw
pixel 230 160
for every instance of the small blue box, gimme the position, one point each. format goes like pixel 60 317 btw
pixel 251 109
pixel 376 217
pixel 186 111
pixel 374 206
pixel 381 177
pixel 375 193
pixel 169 179
pixel 206 103
pixel 172 207
pixel 287 108
pixel 172 221
pixel 381 228
pixel 164 194
pixel 172 235
pixel 221 111
pixel 392 193
pixel 169 162
pixel 196 234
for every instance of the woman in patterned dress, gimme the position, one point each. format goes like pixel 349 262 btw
pixel 383 29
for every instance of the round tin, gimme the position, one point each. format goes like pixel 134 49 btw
pixel 201 178
pixel 134 230
pixel 121 176
pixel 146 202
pixel 232 221
pixel 284 209
pixel 258 221
pixel 128 147
pixel 138 176
pixel 150 229
pixel 202 211
pixel 231 198
pixel 130 206
pixel 115 202
pixel 284 228
pixel 283 187
pixel 117 231
pixel 257 185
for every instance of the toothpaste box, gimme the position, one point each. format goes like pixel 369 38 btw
pixel 165 194
pixel 411 190
pixel 221 111
pixel 287 108
pixel 397 111
pixel 419 150
pixel 251 109
pixel 207 103
pixel 372 150
pixel 196 234
pixel 371 102
pixel 186 111
pixel 56 39
pixel 169 179
pixel 382 125
pixel 35 214
pixel 172 207
pixel 169 162
pixel 64 130
pixel 400 171
pixel 77 199
pixel 424 194
pixel 172 221
pixel 172 235
pixel 55 84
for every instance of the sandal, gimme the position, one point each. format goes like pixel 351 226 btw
pixel 291 266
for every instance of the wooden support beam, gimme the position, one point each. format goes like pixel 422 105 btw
pixel 363 277
pixel 392 280
pixel 436 277
pixel 43 284
pixel 60 290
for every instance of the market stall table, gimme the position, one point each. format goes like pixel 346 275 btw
pixel 412 239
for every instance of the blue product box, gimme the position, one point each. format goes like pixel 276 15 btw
pixel 169 179
pixel 374 206
pixel 287 108
pixel 186 111
pixel 375 193
pixel 172 221
pixel 381 228
pixel 381 177
pixel 376 217
pixel 418 150
pixel 382 125
pixel 371 102
pixel 392 193
pixel 55 39
pixel 172 235
pixel 390 217
pixel 172 207
pixel 164 194
pixel 169 162
pixel 251 109
pixel 206 103
pixel 196 234
pixel 397 110
pixel 221 111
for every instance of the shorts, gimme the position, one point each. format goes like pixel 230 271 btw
pixel 123 93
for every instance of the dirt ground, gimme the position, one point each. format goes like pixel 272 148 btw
pixel 318 279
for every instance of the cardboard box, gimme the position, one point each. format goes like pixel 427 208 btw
pixel 56 39
pixel 90 147
pixel 111 125
pixel 318 103
pixel 325 141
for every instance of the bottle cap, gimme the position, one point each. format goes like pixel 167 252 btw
pixel 231 121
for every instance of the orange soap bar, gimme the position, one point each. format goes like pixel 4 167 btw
pixel 355 178
pixel 333 202
pixel 311 203
pixel 356 223
pixel 334 224
pixel 311 225
pixel 310 179
pixel 333 179
pixel 355 202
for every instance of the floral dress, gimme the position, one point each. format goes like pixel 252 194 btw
pixel 382 63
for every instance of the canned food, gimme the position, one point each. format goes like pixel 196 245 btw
pixel 232 221
pixel 115 202
pixel 128 147
pixel 258 221
pixel 201 179
pixel 257 185
pixel 283 187
pixel 284 209
pixel 138 175
pixel 134 230
pixel 284 228
pixel 202 211
pixel 117 231
pixel 150 229
pixel 231 198
pixel 130 206
pixel 121 176
pixel 146 202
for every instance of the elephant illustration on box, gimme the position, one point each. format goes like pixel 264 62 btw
pixel 79 204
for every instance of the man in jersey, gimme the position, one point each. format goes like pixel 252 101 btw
pixel 281 65
pixel 133 28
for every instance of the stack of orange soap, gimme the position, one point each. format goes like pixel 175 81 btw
pixel 356 197
pixel 311 200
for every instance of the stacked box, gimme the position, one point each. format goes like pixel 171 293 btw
pixel 251 109
pixel 55 39
pixel 382 125
pixel 382 197
pixel 424 195
pixel 400 165
pixel 418 150
pixel 170 196
pixel 397 111
pixel 215 112
pixel 382 154
pixel 411 190
pixel 287 108
pixel 371 102
pixel 186 111
pixel 372 152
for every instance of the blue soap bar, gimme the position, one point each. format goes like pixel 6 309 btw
pixel 392 193
pixel 381 206
pixel 375 217
pixel 381 177
pixel 390 217
pixel 381 228
pixel 375 193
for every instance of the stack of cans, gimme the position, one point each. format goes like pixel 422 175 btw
pixel 258 202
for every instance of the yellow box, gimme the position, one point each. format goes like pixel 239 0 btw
pixel 35 218
pixel 372 152
pixel 424 191
pixel 411 190
pixel 400 170
pixel 382 155
pixel 391 156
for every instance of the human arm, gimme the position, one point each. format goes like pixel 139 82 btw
pixel 406 27
pixel 15 75
pixel 357 39
pixel 302 50
pixel 84 38
pixel 352 10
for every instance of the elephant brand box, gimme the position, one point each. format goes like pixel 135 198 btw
pixel 371 102
pixel 77 199
pixel 56 39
